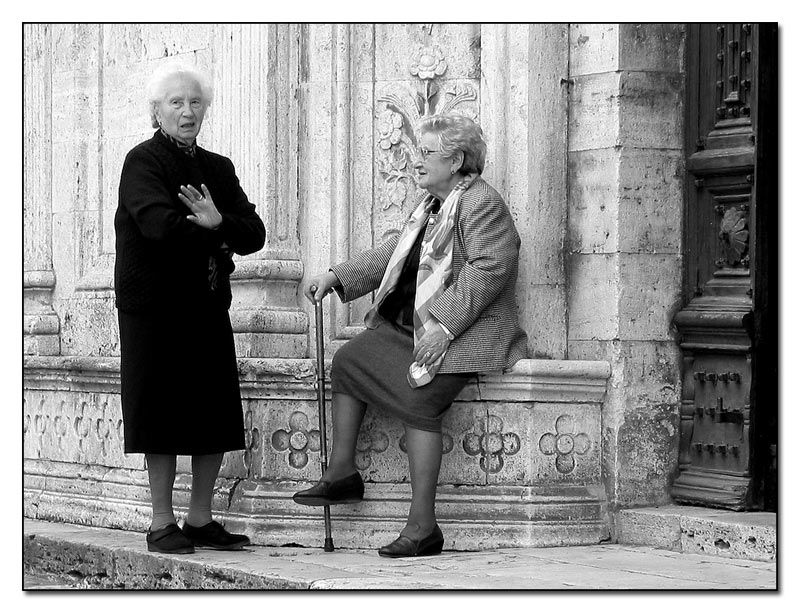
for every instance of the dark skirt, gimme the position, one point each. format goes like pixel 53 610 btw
pixel 372 368
pixel 180 384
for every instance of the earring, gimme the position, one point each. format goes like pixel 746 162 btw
pixel 452 171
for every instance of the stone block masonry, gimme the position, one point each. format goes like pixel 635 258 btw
pixel 583 124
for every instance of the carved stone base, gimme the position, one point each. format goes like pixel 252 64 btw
pixel 472 517
pixel 264 315
pixel 521 459
pixel 41 325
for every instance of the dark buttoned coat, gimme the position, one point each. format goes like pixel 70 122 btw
pixel 179 379
pixel 162 258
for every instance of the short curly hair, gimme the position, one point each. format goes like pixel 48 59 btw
pixel 457 133
pixel 156 88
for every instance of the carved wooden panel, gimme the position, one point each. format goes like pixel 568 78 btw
pixel 734 74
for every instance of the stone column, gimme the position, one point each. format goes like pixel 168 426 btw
pixel 41 323
pixel 524 117
pixel 336 157
pixel 84 180
pixel 256 72
pixel 624 258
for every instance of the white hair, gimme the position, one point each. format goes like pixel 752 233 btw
pixel 159 81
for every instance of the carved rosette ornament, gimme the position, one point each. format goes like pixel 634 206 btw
pixel 564 443
pixel 735 237
pixel 394 162
pixel 491 443
pixel 389 129
pixel 298 439
pixel 428 64
pixel 368 443
pixel 396 124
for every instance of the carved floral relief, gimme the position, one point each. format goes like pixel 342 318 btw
pixel 734 237
pixel 491 443
pixel 397 121
pixel 369 442
pixel 73 430
pixel 565 443
pixel 252 438
pixel 299 440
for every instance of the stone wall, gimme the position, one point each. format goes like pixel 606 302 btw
pixel 583 126
pixel 624 243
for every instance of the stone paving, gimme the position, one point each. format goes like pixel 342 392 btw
pixel 100 558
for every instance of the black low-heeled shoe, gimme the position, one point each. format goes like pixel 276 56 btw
pixel 169 539
pixel 344 491
pixel 214 536
pixel 404 547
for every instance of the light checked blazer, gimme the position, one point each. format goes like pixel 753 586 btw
pixel 478 306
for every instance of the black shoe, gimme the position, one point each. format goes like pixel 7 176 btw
pixel 344 491
pixel 214 536
pixel 404 547
pixel 169 539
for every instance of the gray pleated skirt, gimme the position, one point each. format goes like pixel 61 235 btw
pixel 372 368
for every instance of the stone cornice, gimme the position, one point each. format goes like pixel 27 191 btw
pixel 548 381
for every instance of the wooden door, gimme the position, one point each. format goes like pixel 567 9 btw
pixel 728 326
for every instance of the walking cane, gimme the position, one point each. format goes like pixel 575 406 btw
pixel 323 432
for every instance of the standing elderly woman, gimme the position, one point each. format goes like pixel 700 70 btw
pixel 181 213
pixel 444 310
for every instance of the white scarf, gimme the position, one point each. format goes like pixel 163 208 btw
pixel 435 269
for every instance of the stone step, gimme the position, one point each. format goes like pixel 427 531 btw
pixel 750 536
pixel 68 556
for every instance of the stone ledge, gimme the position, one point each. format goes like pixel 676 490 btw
pixel 529 380
pixel 732 534
pixel 547 381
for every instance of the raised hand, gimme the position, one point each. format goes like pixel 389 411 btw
pixel 204 212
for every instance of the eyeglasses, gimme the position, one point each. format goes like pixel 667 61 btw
pixel 424 152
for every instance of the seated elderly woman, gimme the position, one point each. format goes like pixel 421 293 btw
pixel 444 310
pixel 181 213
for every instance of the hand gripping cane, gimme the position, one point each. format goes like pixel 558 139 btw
pixel 323 431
